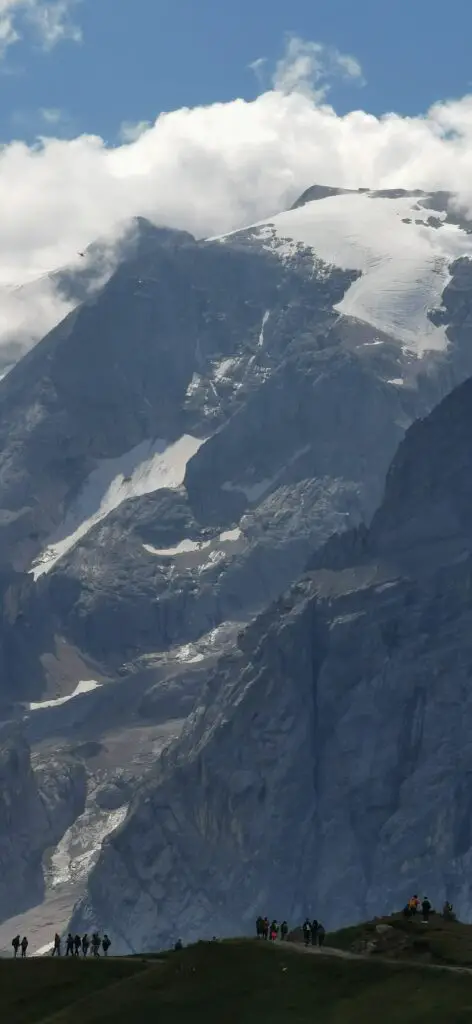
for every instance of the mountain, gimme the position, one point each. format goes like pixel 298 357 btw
pixel 326 768
pixel 34 308
pixel 172 455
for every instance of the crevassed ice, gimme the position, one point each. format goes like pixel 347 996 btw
pixel 80 846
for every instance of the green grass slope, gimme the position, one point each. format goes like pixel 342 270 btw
pixel 32 990
pixel 438 942
pixel 241 982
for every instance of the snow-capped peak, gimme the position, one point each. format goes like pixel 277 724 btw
pixel 401 247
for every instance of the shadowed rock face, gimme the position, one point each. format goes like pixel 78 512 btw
pixel 327 767
pixel 37 806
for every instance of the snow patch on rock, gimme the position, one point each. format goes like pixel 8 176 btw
pixel 150 466
pixel 223 368
pixel 85 686
pixel 264 321
pixel 201 554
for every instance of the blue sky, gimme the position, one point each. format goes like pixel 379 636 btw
pixel 139 57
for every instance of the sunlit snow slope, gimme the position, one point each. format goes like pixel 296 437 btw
pixel 404 260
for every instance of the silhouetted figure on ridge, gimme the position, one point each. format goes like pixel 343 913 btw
pixel 16 942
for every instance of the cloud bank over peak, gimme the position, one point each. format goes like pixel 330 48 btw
pixel 216 168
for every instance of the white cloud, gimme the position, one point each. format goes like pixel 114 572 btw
pixel 50 21
pixel 130 131
pixel 52 115
pixel 308 67
pixel 209 170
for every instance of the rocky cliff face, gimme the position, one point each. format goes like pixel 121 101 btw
pixel 38 803
pixel 326 769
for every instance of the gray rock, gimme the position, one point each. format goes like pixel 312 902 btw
pixel 327 766
pixel 37 805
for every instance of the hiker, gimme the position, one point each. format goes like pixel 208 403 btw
pixel 178 945
pixel 307 931
pixel 314 932
pixel 106 943
pixel 283 930
pixel 274 931
pixel 413 904
pixel 24 946
pixel 56 949
pixel 85 944
pixel 426 909
pixel 321 934
pixel 70 945
pixel 77 945
pixel 265 928
pixel 96 943
pixel 259 927
pixel 16 945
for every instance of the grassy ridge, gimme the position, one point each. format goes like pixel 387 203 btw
pixel 239 982
pixel 438 942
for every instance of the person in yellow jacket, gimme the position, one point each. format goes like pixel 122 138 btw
pixel 413 904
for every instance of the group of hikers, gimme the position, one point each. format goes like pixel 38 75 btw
pixel 415 905
pixel 313 931
pixel 75 945
pixel 18 944
pixel 264 930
